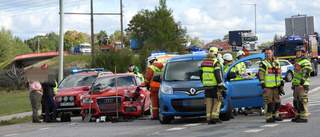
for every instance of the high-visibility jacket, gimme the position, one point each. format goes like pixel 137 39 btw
pixel 55 89
pixel 241 68
pixel 208 77
pixel 272 75
pixel 156 71
pixel 233 69
pixel 138 74
pixel 298 70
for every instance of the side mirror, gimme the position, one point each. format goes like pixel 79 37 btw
pixel 231 75
pixel 142 85
pixel 85 88
pixel 157 78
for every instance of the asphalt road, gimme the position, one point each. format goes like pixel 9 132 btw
pixel 240 126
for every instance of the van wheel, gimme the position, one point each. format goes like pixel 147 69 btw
pixel 227 116
pixel 288 77
pixel 165 119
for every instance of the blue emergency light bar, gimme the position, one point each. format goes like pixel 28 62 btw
pixel 86 70
pixel 199 52
pixel 158 54
pixel 295 38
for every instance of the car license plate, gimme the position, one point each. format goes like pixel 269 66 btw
pixel 63 104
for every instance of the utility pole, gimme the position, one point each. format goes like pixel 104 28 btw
pixel 60 69
pixel 38 45
pixel 92 35
pixel 255 17
pixel 121 18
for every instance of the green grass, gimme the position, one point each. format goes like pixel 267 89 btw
pixel 14 102
pixel 16 120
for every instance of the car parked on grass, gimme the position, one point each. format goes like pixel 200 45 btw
pixel 286 67
pixel 72 87
pixel 111 93
pixel 182 94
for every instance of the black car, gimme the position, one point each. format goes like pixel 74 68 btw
pixel 194 48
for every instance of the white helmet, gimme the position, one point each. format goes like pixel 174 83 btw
pixel 151 58
pixel 227 57
pixel 239 53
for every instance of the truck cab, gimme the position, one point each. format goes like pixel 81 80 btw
pixel 181 91
pixel 243 39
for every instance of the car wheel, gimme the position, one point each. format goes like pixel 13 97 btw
pixel 288 77
pixel 165 119
pixel 227 116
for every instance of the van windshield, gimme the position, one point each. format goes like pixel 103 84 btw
pixel 182 71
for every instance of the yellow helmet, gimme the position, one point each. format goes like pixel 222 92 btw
pixel 214 50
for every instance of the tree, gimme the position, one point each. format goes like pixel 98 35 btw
pixel 216 40
pixel 102 37
pixel 196 41
pixel 226 37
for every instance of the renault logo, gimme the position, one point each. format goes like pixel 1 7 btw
pixel 192 91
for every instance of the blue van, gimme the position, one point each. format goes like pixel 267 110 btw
pixel 181 92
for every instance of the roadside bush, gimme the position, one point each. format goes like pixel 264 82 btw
pixel 108 60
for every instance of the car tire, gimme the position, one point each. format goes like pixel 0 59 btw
pixel 289 76
pixel 165 119
pixel 227 116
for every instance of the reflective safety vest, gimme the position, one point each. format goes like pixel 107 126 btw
pixel 234 69
pixel 55 89
pixel 156 71
pixel 241 68
pixel 272 75
pixel 298 70
pixel 208 77
pixel 138 74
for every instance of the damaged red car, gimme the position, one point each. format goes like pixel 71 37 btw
pixel 111 93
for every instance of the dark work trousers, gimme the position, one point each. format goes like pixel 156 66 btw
pixel 48 101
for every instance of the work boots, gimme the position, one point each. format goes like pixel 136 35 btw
pixel 302 120
pixel 278 118
pixel 270 120
pixel 295 119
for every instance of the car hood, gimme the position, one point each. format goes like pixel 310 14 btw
pixel 68 91
pixel 111 92
pixel 184 84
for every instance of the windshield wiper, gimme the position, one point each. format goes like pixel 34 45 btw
pixel 174 80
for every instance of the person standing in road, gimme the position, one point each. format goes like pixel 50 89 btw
pixel 300 85
pixel 48 95
pixel 272 86
pixel 211 77
pixel 132 69
pixel 35 99
pixel 155 68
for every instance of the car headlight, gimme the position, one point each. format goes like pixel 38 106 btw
pixel 71 98
pixel 166 89
pixel 65 98
pixel 86 100
pixel 59 99
pixel 81 97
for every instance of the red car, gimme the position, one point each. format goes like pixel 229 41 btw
pixel 72 87
pixel 218 46
pixel 133 99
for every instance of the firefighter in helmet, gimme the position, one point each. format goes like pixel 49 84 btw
pixel 155 68
pixel 211 77
pixel 300 85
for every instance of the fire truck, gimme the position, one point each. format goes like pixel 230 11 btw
pixel 296 25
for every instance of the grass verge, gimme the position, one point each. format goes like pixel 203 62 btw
pixel 16 120
pixel 14 102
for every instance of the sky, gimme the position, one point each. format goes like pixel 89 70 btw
pixel 206 19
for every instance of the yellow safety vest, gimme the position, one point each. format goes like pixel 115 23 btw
pixel 156 70
pixel 272 76
pixel 234 69
pixel 138 74
pixel 55 89
pixel 298 70
pixel 208 77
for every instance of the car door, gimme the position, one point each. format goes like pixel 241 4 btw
pixel 246 92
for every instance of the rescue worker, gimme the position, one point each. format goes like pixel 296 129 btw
pixel 228 61
pixel 271 83
pixel 215 50
pixel 211 77
pixel 300 85
pixel 242 66
pixel 155 68
pixel 132 69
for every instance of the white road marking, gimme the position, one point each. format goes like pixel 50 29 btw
pixel 9 135
pixel 176 128
pixel 270 125
pixel 191 125
pixel 286 120
pixel 253 130
pixel 155 133
pixel 43 128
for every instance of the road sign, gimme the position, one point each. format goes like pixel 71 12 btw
pixel 246 52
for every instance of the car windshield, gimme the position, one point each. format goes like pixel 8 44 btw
pixel 255 65
pixel 122 81
pixel 254 38
pixel 285 49
pixel 78 80
pixel 85 47
pixel 182 71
